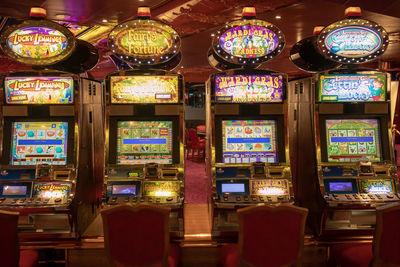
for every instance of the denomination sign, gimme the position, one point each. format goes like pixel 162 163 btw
pixel 37 42
pixel 352 88
pixel 249 88
pixel 248 41
pixel 144 42
pixel 353 41
pixel 39 90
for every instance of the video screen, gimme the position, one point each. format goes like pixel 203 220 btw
pixel 269 187
pixel 14 190
pixel 249 89
pixel 140 142
pixel 123 189
pixel 39 90
pixel 352 140
pixel 340 186
pixel 246 141
pixel 144 89
pixel 232 188
pixel 39 143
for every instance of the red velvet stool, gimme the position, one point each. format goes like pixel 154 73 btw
pixel 10 255
pixel 268 236
pixel 385 250
pixel 144 240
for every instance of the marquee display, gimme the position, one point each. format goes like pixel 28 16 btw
pixel 353 41
pixel 144 42
pixel 37 42
pixel 248 41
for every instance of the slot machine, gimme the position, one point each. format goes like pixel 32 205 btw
pixel 352 125
pixel 42 132
pixel 246 116
pixel 145 117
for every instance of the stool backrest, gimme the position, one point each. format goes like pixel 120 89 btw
pixel 271 235
pixel 136 235
pixel 387 236
pixel 9 247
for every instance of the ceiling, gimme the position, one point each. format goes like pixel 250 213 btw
pixel 196 20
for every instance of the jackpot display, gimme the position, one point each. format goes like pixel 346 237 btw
pixel 144 89
pixel 248 89
pixel 39 143
pixel 140 142
pixel 39 90
pixel 352 87
pixel 246 141
pixel 350 140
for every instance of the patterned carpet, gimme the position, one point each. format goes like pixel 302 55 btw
pixel 197 186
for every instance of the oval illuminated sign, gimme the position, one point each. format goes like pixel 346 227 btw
pixel 248 42
pixel 144 42
pixel 37 42
pixel 353 41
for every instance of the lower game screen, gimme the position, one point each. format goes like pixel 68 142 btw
pixel 350 140
pixel 39 143
pixel 246 141
pixel 140 142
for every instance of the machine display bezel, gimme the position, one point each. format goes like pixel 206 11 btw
pixel 27 192
pixel 384 138
pixel 110 186
pixel 7 138
pixel 245 182
pixel 280 136
pixel 112 141
pixel 353 182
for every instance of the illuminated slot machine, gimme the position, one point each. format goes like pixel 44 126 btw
pixel 145 119
pixel 247 140
pixel 41 132
pixel 354 149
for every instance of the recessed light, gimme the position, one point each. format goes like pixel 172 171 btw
pixel 278 17
pixel 104 20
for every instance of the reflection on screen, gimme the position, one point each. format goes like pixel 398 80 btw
pixel 340 186
pixel 246 141
pixel 350 140
pixel 232 188
pixel 14 190
pixel 39 143
pixel 124 189
pixel 140 142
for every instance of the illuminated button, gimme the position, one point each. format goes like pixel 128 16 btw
pixel 158 200
pixel 364 196
pixel 378 196
pixel 246 198
pixel 170 198
pixel 371 196
pixel 390 195
pixel 280 198
pixel 126 199
pixel 269 198
pixel 335 195
pixel 261 198
pixel 134 199
pixel 14 201
pixel 238 198
pixel 57 200
pixel 225 198
pixel 142 199
pixel 356 196
pixel 150 199
pixel 254 198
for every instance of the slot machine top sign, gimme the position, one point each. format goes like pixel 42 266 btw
pixel 37 42
pixel 144 41
pixel 353 40
pixel 248 41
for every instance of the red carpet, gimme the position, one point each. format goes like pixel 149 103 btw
pixel 197 186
